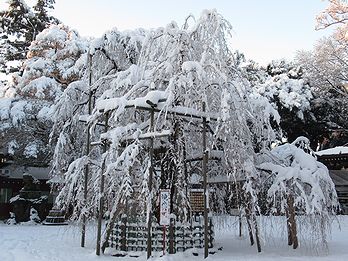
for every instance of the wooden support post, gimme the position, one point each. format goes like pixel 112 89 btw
pixel 85 185
pixel 240 223
pixel 123 233
pixel 211 238
pixel 149 222
pixel 164 240
pixel 171 236
pixel 239 205
pixel 101 200
pixel 205 192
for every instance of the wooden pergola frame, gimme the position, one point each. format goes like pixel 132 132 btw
pixel 178 111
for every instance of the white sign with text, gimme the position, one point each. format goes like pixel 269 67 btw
pixel 164 207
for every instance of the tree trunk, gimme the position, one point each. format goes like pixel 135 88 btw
pixel 248 219
pixel 258 244
pixel 111 224
pixel 291 222
pixel 288 224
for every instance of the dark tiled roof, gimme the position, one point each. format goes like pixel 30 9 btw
pixel 339 177
pixel 16 172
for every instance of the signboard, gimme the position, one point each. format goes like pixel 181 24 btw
pixel 165 207
pixel 197 201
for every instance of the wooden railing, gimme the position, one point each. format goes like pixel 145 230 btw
pixel 177 236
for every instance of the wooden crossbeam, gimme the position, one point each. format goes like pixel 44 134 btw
pixel 177 110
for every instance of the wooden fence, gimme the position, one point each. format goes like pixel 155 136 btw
pixel 178 236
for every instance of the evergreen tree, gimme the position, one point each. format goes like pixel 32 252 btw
pixel 54 60
pixel 19 26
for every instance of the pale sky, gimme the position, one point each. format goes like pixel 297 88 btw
pixel 263 29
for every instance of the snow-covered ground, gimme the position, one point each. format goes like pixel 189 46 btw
pixel 41 243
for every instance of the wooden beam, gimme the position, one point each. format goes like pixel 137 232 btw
pixel 149 222
pixel 177 110
pixel 85 185
pixel 204 174
pixel 101 200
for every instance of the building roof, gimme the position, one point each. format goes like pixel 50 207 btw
pixel 16 172
pixel 339 177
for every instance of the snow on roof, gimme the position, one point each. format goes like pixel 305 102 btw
pixel 333 151
pixel 56 180
pixel 16 172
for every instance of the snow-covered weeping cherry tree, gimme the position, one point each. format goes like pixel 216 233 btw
pixel 108 55
pixel 300 185
pixel 171 72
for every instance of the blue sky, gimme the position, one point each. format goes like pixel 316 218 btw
pixel 263 29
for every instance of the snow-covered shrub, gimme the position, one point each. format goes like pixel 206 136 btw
pixel 11 220
pixel 34 216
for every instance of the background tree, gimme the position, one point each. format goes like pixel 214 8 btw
pixel 336 15
pixel 19 25
pixel 325 69
pixel 55 59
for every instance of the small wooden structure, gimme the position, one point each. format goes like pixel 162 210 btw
pixel 340 179
pixel 336 160
pixel 11 183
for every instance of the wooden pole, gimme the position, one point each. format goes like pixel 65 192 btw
pixel 124 233
pixel 164 240
pixel 171 236
pixel 149 222
pixel 240 223
pixel 101 200
pixel 204 174
pixel 85 185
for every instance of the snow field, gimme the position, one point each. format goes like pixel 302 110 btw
pixel 62 243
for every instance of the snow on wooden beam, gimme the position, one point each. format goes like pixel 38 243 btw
pixel 85 118
pixel 143 136
pixel 177 110
pixel 190 112
pixel 148 135
pixel 225 179
pixel 213 155
pixel 153 101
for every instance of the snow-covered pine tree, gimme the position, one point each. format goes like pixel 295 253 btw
pixel 19 27
pixel 55 59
